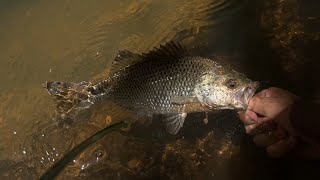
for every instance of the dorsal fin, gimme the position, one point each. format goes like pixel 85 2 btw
pixel 124 59
pixel 168 51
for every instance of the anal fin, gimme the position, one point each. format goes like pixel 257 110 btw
pixel 173 122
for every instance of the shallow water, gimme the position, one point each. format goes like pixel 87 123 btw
pixel 75 41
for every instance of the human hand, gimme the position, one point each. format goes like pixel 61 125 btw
pixel 267 118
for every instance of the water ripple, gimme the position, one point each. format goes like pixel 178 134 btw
pixel 142 25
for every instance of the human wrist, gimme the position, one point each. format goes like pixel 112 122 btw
pixel 304 121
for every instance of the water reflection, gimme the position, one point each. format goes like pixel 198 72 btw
pixel 128 156
pixel 293 35
pixel 76 40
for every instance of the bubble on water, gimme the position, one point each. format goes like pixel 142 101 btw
pixel 84 166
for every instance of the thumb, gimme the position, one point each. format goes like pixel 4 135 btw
pixel 262 106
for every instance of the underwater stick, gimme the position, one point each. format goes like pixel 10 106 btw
pixel 53 171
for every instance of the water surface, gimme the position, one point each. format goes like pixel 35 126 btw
pixel 77 40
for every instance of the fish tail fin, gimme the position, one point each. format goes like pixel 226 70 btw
pixel 71 97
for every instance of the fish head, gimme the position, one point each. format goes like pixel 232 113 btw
pixel 226 90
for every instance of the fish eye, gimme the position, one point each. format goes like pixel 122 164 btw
pixel 231 83
pixel 99 154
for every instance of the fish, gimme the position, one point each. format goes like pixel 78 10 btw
pixel 166 82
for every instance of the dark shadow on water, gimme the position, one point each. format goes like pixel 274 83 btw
pixel 259 48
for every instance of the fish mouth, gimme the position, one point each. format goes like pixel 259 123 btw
pixel 243 96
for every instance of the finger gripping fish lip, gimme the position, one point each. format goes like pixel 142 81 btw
pixel 243 96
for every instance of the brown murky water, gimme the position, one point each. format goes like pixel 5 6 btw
pixel 76 40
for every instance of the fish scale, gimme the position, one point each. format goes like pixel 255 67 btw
pixel 137 85
pixel 166 82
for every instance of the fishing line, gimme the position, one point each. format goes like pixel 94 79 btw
pixel 53 171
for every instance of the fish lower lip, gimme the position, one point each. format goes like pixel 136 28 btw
pixel 249 93
pixel 245 94
pixel 240 97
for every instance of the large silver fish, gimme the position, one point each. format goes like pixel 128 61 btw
pixel 166 81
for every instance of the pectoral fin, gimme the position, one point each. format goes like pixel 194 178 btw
pixel 184 100
pixel 173 122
